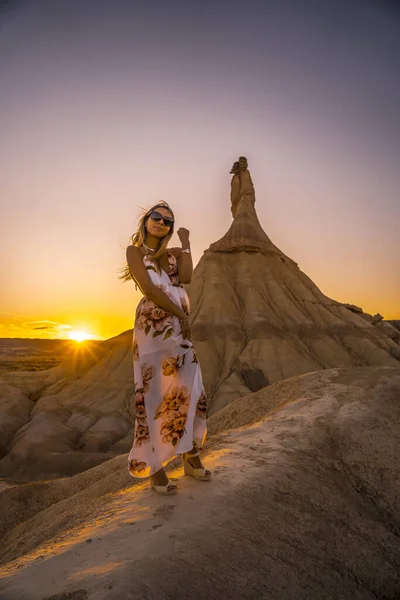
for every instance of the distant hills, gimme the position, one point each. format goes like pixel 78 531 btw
pixel 26 354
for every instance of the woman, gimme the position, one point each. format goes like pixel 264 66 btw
pixel 169 394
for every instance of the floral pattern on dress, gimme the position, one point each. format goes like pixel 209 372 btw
pixel 171 365
pixel 148 373
pixel 173 271
pixel 150 316
pixel 195 359
pixel 173 411
pixel 135 350
pixel 135 466
pixel 201 407
pixel 142 433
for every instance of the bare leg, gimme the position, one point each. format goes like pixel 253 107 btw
pixel 160 478
pixel 195 461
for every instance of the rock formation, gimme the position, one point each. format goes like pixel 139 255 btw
pixel 390 328
pixel 257 318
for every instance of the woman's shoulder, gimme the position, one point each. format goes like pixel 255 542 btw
pixel 135 253
pixel 135 250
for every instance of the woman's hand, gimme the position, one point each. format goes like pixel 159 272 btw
pixel 183 235
pixel 185 328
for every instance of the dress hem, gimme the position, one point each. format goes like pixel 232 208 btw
pixel 166 462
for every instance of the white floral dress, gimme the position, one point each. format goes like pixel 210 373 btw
pixel 169 394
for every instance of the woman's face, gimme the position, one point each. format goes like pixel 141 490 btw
pixel 156 228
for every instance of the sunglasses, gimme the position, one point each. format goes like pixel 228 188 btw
pixel 158 217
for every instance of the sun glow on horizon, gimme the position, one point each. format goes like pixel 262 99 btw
pixel 79 336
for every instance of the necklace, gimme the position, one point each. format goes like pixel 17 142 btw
pixel 149 249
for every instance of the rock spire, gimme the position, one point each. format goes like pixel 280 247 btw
pixel 257 318
pixel 245 234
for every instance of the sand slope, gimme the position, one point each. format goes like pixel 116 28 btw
pixel 304 504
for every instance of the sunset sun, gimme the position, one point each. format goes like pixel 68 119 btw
pixel 79 336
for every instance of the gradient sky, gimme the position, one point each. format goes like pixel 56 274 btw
pixel 106 106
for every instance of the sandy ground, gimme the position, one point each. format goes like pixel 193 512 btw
pixel 302 504
pixel 4 485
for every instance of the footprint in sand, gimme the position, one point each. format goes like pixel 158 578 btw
pixel 164 511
